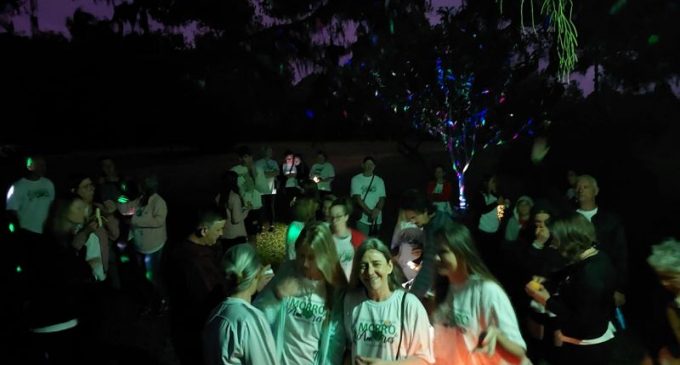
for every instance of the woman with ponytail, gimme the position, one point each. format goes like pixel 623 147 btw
pixel 237 332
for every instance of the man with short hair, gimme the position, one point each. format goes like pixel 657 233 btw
pixel 611 237
pixel 368 192
pixel 251 184
pixel 196 284
pixel 322 173
pixel 31 197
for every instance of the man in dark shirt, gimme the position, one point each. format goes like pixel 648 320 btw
pixel 609 230
pixel 196 285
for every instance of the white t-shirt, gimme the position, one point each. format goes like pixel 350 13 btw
pixel 31 199
pixel 374 328
pixel 489 222
pixel 465 314
pixel 288 169
pixel 345 253
pixel 237 333
pixel 360 184
pixel 305 315
pixel 268 166
pixel 324 171
pixel 250 188
pixel 589 214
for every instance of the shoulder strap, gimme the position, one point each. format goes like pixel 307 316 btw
pixel 401 329
pixel 369 188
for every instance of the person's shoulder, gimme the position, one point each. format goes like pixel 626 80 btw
pixel 411 301
pixel 607 215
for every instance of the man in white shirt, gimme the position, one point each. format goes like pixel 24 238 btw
pixel 30 197
pixel 251 184
pixel 271 172
pixel 322 173
pixel 368 192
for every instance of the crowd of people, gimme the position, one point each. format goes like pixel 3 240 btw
pixel 543 280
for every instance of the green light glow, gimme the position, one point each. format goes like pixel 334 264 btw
pixel 653 39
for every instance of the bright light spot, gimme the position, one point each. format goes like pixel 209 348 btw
pixel 10 192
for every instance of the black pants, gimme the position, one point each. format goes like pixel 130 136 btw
pixel 269 208
pixel 55 348
pixel 253 222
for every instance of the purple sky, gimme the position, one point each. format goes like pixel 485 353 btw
pixel 53 13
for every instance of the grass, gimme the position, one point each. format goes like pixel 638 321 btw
pixel 271 245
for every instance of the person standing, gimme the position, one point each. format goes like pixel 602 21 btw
pixel 368 192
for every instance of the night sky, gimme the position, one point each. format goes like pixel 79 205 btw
pixel 53 13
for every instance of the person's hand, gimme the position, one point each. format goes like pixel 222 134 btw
pixel 619 298
pixel 375 212
pixel 266 275
pixel 539 150
pixel 542 235
pixel 647 360
pixel 108 207
pixel 667 358
pixel 416 251
pixel 361 360
pixel 537 292
pixel 487 341
pixel 500 211
pixel 288 287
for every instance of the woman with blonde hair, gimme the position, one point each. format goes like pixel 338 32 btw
pixel 236 331
pixel 474 321
pixel 303 303
pixel 384 324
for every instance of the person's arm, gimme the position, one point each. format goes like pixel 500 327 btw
pixel 504 329
pixel 330 175
pixel 429 190
pixel 621 263
pixel 446 192
pixel 495 337
pixel 258 344
pixel 336 331
pixel 236 211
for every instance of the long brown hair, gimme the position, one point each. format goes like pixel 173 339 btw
pixel 459 240
pixel 572 235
